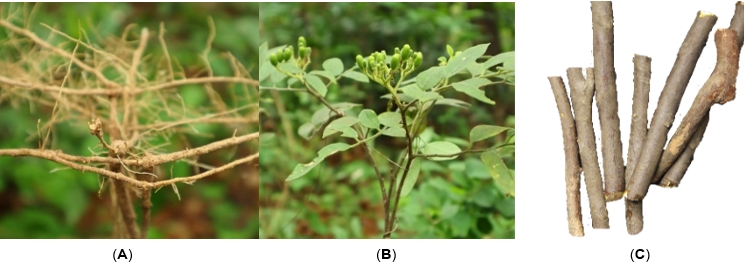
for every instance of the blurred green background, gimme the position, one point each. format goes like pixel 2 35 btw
pixel 35 203
pixel 340 198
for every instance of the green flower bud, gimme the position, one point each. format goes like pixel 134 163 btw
pixel 303 51
pixel 450 51
pixel 360 61
pixel 371 63
pixel 419 58
pixel 273 59
pixel 405 52
pixel 308 51
pixel 287 54
pixel 395 62
pixel 397 50
pixel 380 57
pixel 301 42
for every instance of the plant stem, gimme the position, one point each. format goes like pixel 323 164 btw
pixel 638 129
pixel 671 96
pixel 582 93
pixel 606 95
pixel 370 157
pixel 571 149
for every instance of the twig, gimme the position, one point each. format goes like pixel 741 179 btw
pixel 638 128
pixel 719 88
pixel 119 91
pixel 39 41
pixel 674 175
pixel 582 92
pixel 668 104
pixel 571 149
pixel 191 179
pixel 609 122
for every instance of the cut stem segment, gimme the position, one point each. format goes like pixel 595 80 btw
pixel 571 149
pixel 668 104
pixel 582 92
pixel 609 122
pixel 638 129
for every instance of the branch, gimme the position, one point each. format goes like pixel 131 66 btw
pixel 360 136
pixel 155 160
pixel 119 91
pixel 145 162
pixel 674 175
pixel 606 90
pixel 582 93
pixel 571 149
pixel 638 129
pixel 191 179
pixel 79 63
pixel 719 88
pixel 668 104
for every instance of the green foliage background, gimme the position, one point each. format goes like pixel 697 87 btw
pixel 340 198
pixel 35 203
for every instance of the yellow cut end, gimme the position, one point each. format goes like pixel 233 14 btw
pixel 703 14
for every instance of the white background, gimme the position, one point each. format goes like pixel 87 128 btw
pixel 700 216
pixel 697 223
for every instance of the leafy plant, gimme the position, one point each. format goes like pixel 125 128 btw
pixel 411 97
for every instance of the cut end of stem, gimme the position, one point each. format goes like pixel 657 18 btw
pixel 703 14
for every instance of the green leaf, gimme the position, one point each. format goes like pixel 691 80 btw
pixel 316 84
pixel 328 75
pixel 476 69
pixel 368 118
pixel 356 76
pixel 457 141
pixel 338 125
pixel 501 174
pixel 397 132
pixel 448 210
pixel 349 132
pixel 390 119
pixel 277 76
pixel 453 102
pixel 289 67
pixel 265 71
pixel 467 57
pixel 402 96
pixel 461 223
pixel 471 87
pixel 482 132
pixel 302 169
pixel 305 130
pixel 334 66
pixel 321 115
pixel 411 177
pixel 507 58
pixel 440 148
pixel 415 92
pixel 430 78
